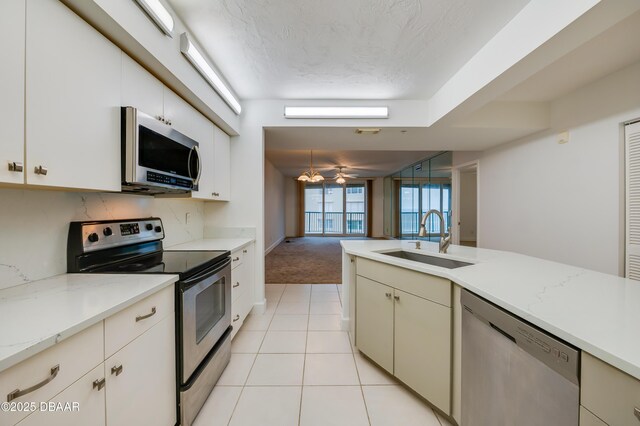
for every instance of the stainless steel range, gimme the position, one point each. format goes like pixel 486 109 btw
pixel 202 295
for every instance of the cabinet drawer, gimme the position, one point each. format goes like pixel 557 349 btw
pixel 74 357
pixel 88 411
pixel 236 258
pixel 130 323
pixel 427 286
pixel 609 393
pixel 239 284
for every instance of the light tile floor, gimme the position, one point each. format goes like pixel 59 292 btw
pixel 294 366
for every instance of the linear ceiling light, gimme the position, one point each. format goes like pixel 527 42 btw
pixel 200 63
pixel 159 14
pixel 336 112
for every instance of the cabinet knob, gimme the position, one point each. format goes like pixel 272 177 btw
pixel 40 170
pixel 99 384
pixel 116 369
pixel 237 317
pixel 388 295
pixel 397 298
pixel 15 166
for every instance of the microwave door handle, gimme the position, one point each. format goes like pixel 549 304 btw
pixel 189 163
pixel 197 180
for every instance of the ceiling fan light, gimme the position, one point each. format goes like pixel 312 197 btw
pixel 340 180
pixel 303 177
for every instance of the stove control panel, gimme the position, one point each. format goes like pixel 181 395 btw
pixel 108 234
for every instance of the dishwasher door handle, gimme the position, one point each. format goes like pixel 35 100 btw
pixel 501 331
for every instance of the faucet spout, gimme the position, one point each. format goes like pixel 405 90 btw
pixel 444 241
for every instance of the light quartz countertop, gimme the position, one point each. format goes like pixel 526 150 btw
pixel 230 244
pixel 599 313
pixel 37 315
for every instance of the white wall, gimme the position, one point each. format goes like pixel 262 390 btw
pixel 34 226
pixel 468 206
pixel 564 202
pixel 274 209
pixel 290 207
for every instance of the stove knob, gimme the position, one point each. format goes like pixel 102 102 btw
pixel 93 237
pixel 158 229
pixel 107 232
pixel 149 227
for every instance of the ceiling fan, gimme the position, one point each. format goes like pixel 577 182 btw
pixel 340 177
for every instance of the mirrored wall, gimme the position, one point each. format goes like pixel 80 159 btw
pixel 413 191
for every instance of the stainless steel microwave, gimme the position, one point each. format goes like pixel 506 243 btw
pixel 156 158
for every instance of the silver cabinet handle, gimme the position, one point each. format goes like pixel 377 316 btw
pixel 636 412
pixel 244 251
pixel 237 284
pixel 159 118
pixel 396 297
pixel 116 369
pixel 15 167
pixel 235 259
pixel 388 295
pixel 39 170
pixel 167 122
pixel 237 317
pixel 142 317
pixel 99 384
pixel 215 194
pixel 21 392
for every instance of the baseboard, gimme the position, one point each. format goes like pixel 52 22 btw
pixel 260 308
pixel 274 245
pixel 345 323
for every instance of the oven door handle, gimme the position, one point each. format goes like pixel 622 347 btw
pixel 206 274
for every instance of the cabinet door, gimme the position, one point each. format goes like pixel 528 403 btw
pixel 587 418
pixel 144 390
pixel 72 101
pixel 374 321
pixel 81 404
pixel 188 121
pixel 12 22
pixel 140 89
pixel 222 166
pixel 423 347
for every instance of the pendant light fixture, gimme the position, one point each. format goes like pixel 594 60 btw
pixel 310 175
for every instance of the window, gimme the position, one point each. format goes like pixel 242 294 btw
pixel 417 199
pixel 333 209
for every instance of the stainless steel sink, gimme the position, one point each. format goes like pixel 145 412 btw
pixel 430 260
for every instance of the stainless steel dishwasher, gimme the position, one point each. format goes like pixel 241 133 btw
pixel 513 373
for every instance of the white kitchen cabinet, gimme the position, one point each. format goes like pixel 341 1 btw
pixel 242 282
pixel 587 418
pixel 87 393
pixel 140 89
pixel 374 321
pixel 598 380
pixel 403 323
pixel 73 100
pixel 221 166
pixel 141 381
pixel 422 347
pixel 12 33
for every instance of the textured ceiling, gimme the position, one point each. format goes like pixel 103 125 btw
pixel 362 163
pixel 337 49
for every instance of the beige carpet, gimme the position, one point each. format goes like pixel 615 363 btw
pixel 308 260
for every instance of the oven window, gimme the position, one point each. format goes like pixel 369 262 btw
pixel 161 153
pixel 209 308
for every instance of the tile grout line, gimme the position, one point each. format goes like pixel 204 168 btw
pixel 304 363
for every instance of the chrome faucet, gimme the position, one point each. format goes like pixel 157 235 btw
pixel 444 242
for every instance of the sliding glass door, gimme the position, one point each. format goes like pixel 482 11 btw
pixel 332 209
pixel 416 200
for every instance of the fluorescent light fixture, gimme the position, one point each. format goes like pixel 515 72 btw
pixel 200 63
pixel 336 112
pixel 159 14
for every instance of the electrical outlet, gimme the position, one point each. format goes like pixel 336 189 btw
pixel 563 138
pixel 187 218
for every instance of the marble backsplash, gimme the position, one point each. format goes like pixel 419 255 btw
pixel 34 226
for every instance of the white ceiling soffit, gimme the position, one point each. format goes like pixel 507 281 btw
pixel 365 164
pixel 336 49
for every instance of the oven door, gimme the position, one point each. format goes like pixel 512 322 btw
pixel 157 155
pixel 205 301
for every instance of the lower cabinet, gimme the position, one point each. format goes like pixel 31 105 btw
pixel 72 384
pixel 140 379
pixel 608 394
pixel 242 282
pixel 406 334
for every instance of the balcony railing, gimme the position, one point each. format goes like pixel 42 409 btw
pixel 410 223
pixel 334 223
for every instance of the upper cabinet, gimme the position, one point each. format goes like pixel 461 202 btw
pixel 73 100
pixel 140 89
pixel 12 21
pixel 221 166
